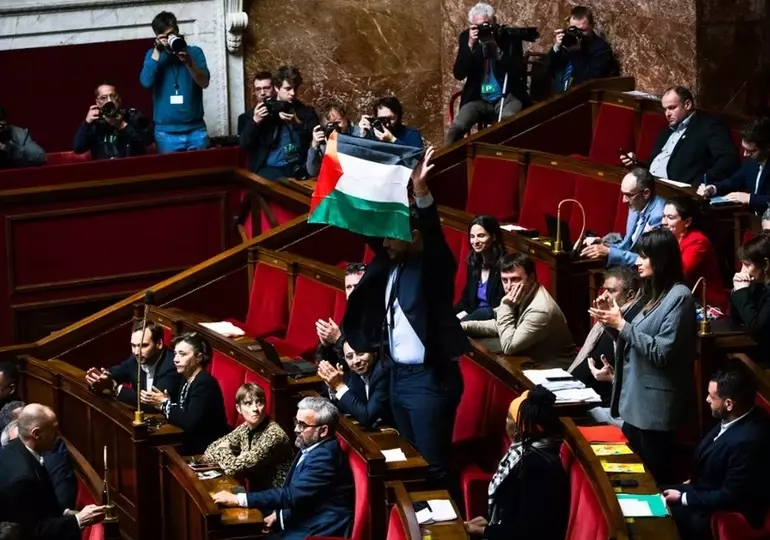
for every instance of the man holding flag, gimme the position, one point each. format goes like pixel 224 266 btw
pixel 402 306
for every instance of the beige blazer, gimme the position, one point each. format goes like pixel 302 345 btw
pixel 536 328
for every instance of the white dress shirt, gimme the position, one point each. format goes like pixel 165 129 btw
pixel 759 175
pixel 659 165
pixel 344 388
pixel 149 372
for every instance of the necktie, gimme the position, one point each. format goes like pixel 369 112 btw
pixel 637 229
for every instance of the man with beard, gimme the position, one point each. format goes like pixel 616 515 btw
pixel 317 497
pixel 731 471
pixel 157 367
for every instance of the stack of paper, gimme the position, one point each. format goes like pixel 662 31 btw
pixel 393 454
pixel 609 467
pixel 634 505
pixel 674 183
pixel 438 510
pixel 577 395
pixel 611 449
pixel 567 390
pixel 224 328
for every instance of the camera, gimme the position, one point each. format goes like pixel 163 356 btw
pixel 331 127
pixel 380 123
pixel 573 36
pixel 176 44
pixel 489 32
pixel 275 106
pixel 110 109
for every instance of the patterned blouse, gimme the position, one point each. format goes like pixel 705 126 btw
pixel 264 455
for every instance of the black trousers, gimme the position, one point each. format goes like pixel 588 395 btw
pixel 656 448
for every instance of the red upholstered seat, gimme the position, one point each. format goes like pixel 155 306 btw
pixel 83 498
pixel 651 126
pixel 599 199
pixel 613 131
pixel 397 528
pixel 455 239
pixel 281 214
pixel 313 300
pixel 462 270
pixel 621 216
pixel 545 188
pixel 269 303
pixel 368 254
pixel 230 375
pixel 494 188
pixel 543 273
pixel 60 158
pixel 586 519
pixel 340 304
pixel 733 526
pixel 362 511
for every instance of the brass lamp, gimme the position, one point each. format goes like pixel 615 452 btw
pixel 704 326
pixel 557 242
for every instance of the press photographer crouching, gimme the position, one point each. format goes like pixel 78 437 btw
pixel 334 118
pixel 17 149
pixel 386 124
pixel 110 131
pixel 579 54
pixel 277 136
pixel 490 57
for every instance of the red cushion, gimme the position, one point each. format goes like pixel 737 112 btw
pixel 494 188
pixel 361 513
pixel 313 300
pixel 60 158
pixel 269 302
pixel 475 486
pixel 733 526
pixel 340 304
pixel 545 188
pixel 230 375
pixel 368 254
pixel 462 271
pixel 599 199
pixel 651 126
pixel 586 519
pixel 613 131
pixel 543 272
pixel 397 529
pixel 455 239
pixel 470 421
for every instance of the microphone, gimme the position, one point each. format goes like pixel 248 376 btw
pixel 704 326
pixel 557 242
pixel 149 297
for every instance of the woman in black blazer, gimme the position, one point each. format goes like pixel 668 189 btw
pixel 529 492
pixel 200 409
pixel 483 289
pixel 750 299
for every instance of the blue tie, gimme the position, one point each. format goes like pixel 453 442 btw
pixel 566 77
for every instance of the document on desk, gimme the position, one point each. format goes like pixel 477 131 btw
pixel 553 379
pixel 674 183
pixel 224 328
pixel 635 505
pixel 610 467
pixel 393 454
pixel 719 200
pixel 611 449
pixel 438 510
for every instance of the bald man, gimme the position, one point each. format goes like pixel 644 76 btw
pixel 27 496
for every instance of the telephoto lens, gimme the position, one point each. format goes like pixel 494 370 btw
pixel 176 44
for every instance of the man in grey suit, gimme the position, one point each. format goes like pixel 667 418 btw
pixel 645 213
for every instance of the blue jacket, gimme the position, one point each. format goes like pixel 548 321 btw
pixel 744 180
pixel 623 254
pixel 317 497
pixel 367 411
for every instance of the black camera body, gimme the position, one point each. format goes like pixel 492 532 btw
pixel 381 122
pixel 573 36
pixel 110 110
pixel 176 44
pixel 331 127
pixel 275 106
pixel 489 31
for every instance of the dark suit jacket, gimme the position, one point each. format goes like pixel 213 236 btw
pixel 470 65
pixel 202 415
pixel 58 464
pixel 705 148
pixel 317 497
pixel 425 290
pixel 593 61
pixel 732 473
pixel 533 500
pixel 260 139
pixel 27 497
pixel 166 378
pixel 367 411
pixel 469 301
pixel 744 180
pixel 751 307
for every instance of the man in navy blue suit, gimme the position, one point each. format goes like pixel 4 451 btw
pixel 404 306
pixel 317 496
pixel 363 391
pixel 731 470
pixel 749 186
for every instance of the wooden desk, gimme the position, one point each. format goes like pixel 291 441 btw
pixel 444 530
pixel 90 422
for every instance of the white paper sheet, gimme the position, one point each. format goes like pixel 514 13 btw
pixel 224 328
pixel 393 454
pixel 462 314
pixel 442 510
pixel 634 508
pixel 424 516
pixel 540 376
pixel 510 227
pixel 674 183
pixel 643 95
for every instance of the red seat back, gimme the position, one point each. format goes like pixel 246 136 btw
pixel 455 240
pixel 368 254
pixel 230 375
pixel 269 302
pixel 545 188
pixel 462 271
pixel 494 188
pixel 362 510
pixel 586 519
pixel 613 131
pixel 651 126
pixel 60 158
pixel 340 304
pixel 280 213
pixel 312 300
pixel 621 216
pixel 397 528
pixel 83 498
pixel 599 199
pixel 543 273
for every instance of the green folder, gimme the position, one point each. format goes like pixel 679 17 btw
pixel 635 505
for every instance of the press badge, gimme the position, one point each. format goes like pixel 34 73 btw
pixel 176 99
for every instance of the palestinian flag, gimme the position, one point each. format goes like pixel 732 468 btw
pixel 362 186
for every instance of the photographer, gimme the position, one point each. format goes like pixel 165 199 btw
pixel 263 89
pixel 110 131
pixel 17 149
pixel 177 74
pixel 386 124
pixel 579 54
pixel 278 134
pixel 487 53
pixel 334 119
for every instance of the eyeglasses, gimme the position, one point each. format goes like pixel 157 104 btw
pixel 630 195
pixel 303 426
pixel 111 97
